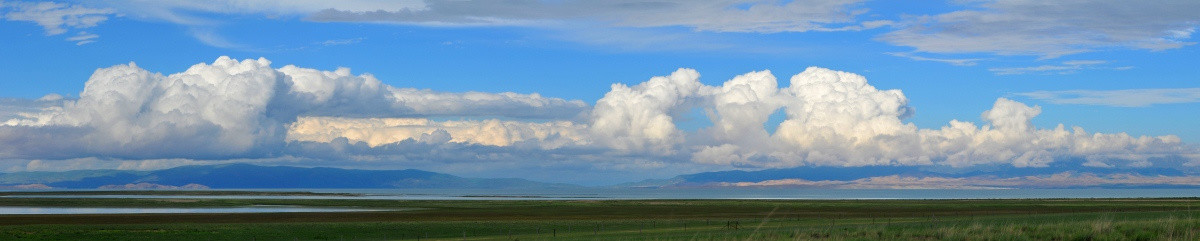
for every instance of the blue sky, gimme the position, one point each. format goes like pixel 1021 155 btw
pixel 950 60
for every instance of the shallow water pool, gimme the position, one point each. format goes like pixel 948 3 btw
pixel 115 210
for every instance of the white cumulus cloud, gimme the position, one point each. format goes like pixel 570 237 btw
pixel 837 118
pixel 380 131
pixel 234 108
pixel 641 117
pixel 231 109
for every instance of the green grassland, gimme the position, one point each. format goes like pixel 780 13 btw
pixel 1027 219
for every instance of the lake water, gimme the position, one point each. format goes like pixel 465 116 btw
pixel 765 193
pixel 687 193
pixel 111 210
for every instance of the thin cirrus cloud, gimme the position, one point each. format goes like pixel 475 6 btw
pixel 1067 67
pixel 720 16
pixel 204 28
pixel 573 19
pixel 1004 27
pixel 231 109
pixel 958 62
pixel 1118 98
pixel 1050 28
pixel 185 12
pixel 58 18
pixel 83 38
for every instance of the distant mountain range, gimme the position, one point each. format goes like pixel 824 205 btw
pixel 246 176
pixel 1067 174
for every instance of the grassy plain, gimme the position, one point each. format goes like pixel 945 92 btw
pixel 1026 219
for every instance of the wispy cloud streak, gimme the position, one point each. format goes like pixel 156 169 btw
pixel 1118 98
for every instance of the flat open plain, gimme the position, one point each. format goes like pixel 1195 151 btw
pixel 999 219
